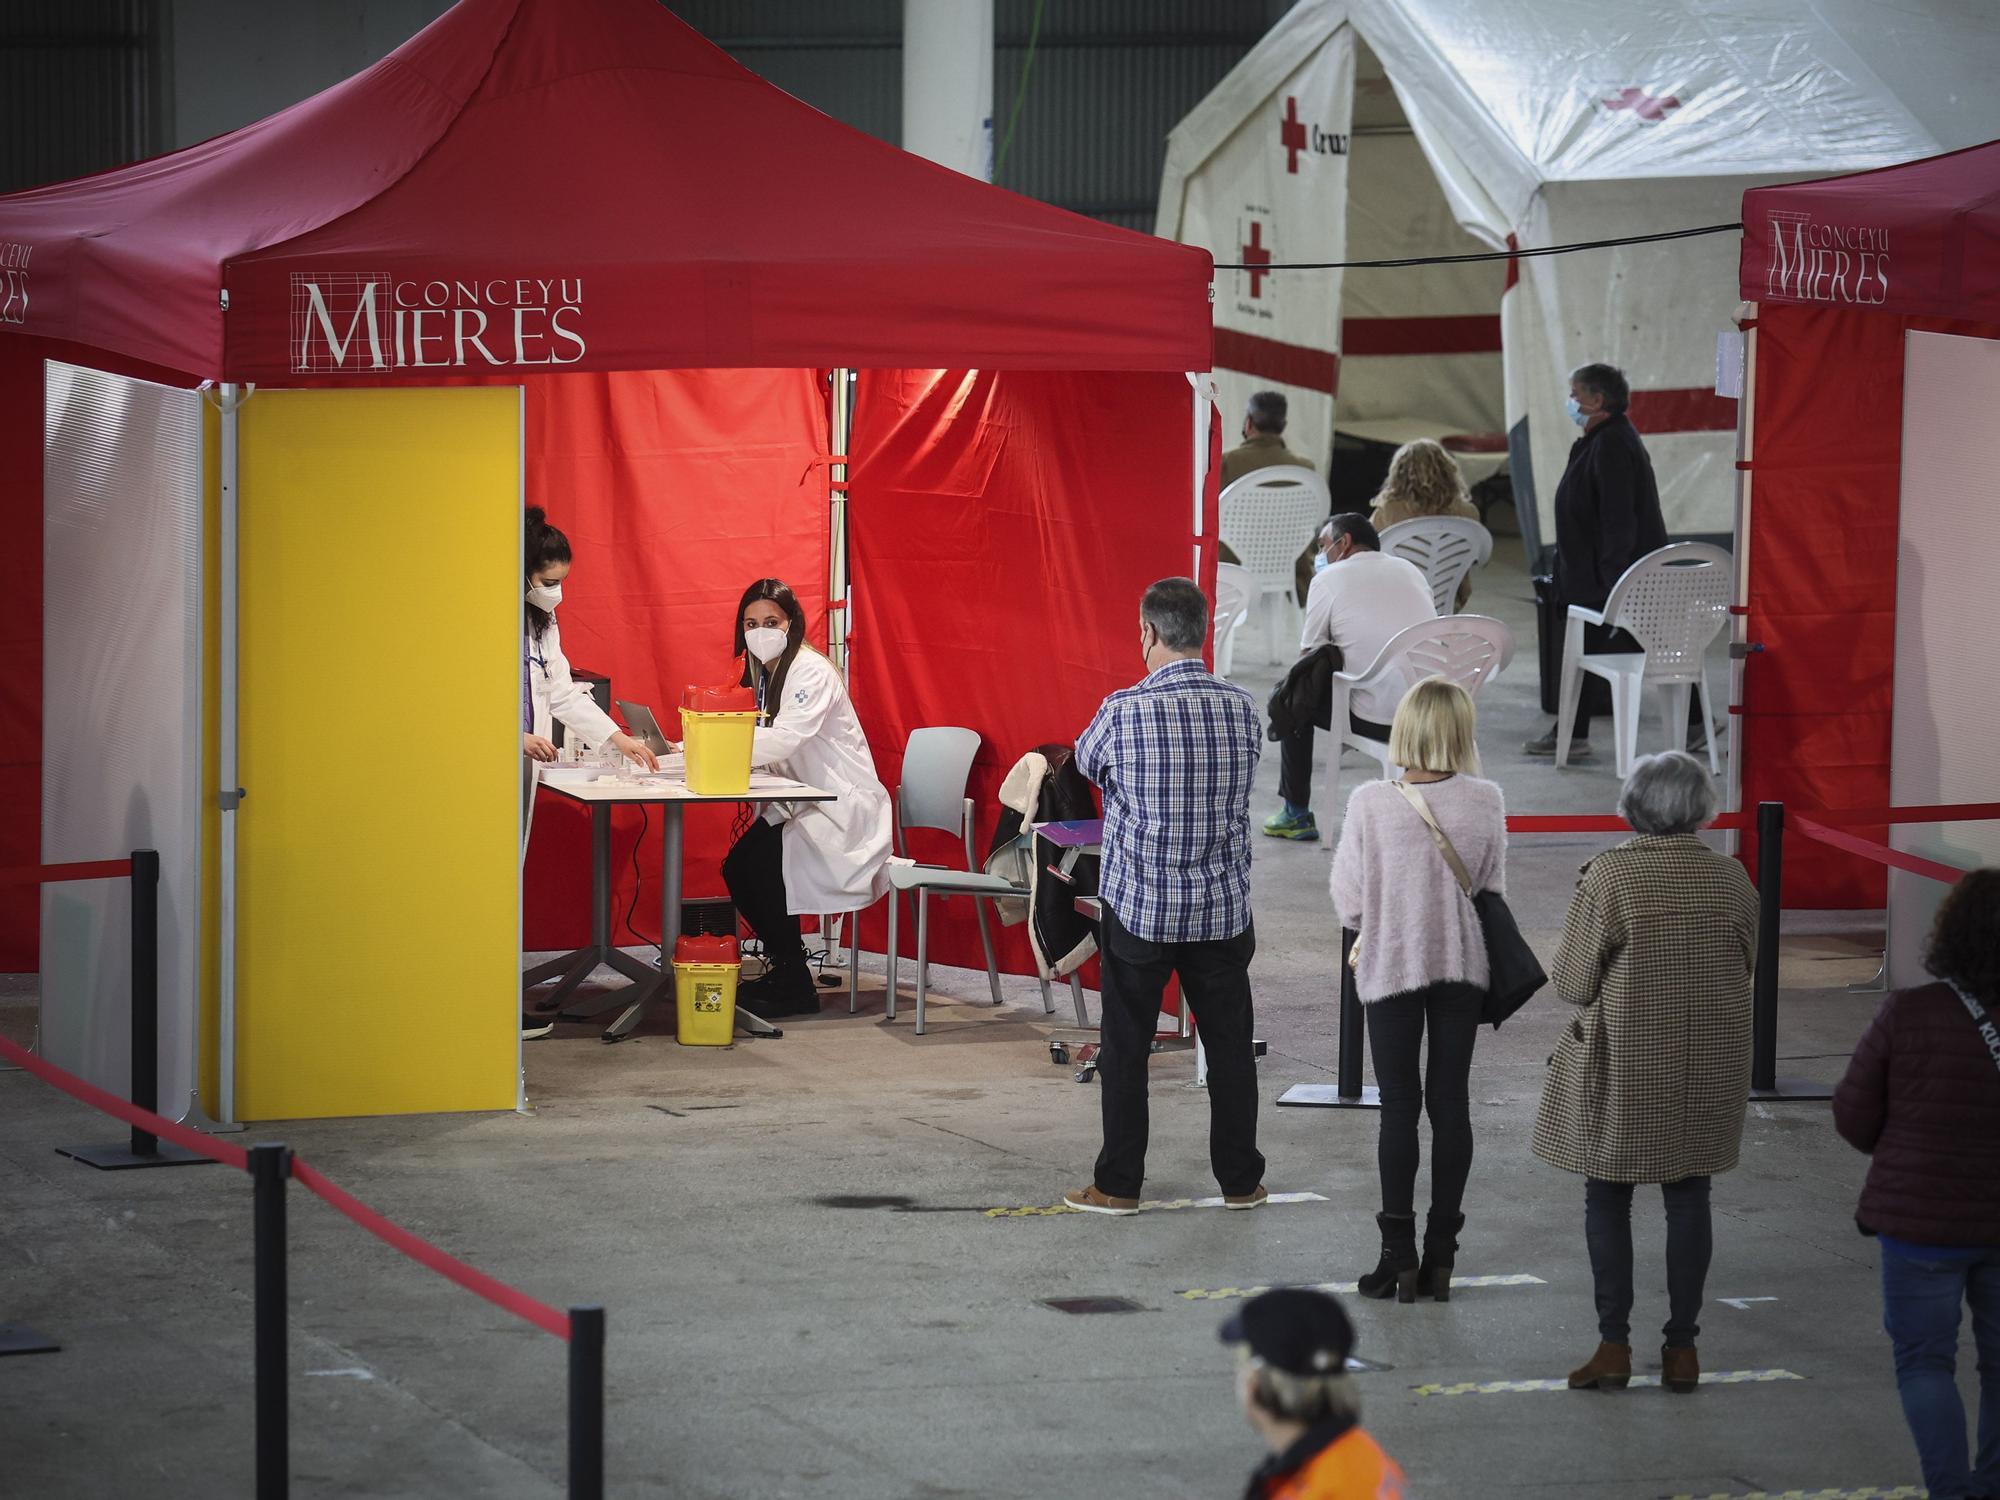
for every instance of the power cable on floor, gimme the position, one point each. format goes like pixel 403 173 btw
pixel 1453 260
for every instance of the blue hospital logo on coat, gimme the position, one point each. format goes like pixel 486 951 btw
pixel 799 697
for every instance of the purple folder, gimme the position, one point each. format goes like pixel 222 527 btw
pixel 1073 835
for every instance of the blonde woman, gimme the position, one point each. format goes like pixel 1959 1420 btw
pixel 1424 480
pixel 1421 968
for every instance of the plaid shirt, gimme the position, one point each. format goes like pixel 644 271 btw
pixel 1174 756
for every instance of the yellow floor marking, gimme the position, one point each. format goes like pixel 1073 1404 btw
pixel 1507 1387
pixel 1869 1492
pixel 1229 1293
pixel 1150 1205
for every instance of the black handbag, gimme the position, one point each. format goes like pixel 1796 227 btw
pixel 1514 973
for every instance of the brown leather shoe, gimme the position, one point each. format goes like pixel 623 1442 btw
pixel 1255 1198
pixel 1609 1369
pixel 1679 1369
pixel 1092 1201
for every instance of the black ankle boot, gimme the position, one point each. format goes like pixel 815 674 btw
pixel 1396 1275
pixel 1440 1250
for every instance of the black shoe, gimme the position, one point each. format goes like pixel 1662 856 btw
pixel 1396 1274
pixel 787 990
pixel 1440 1250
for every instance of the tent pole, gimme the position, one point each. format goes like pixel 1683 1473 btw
pixel 1740 648
pixel 229 792
pixel 837 573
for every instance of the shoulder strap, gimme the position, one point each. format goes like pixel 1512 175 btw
pixel 1988 1032
pixel 1438 835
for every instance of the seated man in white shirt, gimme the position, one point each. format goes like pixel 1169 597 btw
pixel 1360 598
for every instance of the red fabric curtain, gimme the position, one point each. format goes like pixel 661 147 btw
pixel 677 489
pixel 1003 527
pixel 1827 472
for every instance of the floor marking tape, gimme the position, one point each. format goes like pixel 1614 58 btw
pixel 1869 1492
pixel 1150 1205
pixel 1508 1387
pixel 1228 1293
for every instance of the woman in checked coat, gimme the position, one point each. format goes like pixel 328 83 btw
pixel 1650 1079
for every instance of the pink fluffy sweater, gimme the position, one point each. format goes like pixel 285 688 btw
pixel 1391 883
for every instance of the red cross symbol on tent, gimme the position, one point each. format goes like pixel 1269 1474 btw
pixel 1292 133
pixel 1651 108
pixel 1255 254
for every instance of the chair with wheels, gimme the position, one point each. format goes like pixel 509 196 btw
pixel 1268 517
pixel 1465 649
pixel 1673 602
pixel 1235 592
pixel 1445 548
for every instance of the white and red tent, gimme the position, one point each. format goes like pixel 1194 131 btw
pixel 1871 514
pixel 1365 129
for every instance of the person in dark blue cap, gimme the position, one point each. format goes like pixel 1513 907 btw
pixel 1292 1346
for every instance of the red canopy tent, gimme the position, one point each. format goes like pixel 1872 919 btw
pixel 1840 270
pixel 548 191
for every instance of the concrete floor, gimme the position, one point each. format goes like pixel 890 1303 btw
pixel 807 1298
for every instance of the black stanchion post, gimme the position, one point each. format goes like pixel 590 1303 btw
pixel 269 1167
pixel 145 993
pixel 586 1403
pixel 1347 1091
pixel 1764 982
pixel 144 1149
pixel 1765 1085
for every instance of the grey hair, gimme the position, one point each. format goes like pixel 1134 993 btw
pixel 1176 609
pixel 1307 1398
pixel 1267 410
pixel 1667 793
pixel 1605 381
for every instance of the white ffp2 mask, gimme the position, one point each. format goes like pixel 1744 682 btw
pixel 765 643
pixel 545 595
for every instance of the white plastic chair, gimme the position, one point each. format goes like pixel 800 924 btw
pixel 936 767
pixel 1446 548
pixel 1268 517
pixel 1235 591
pixel 1465 649
pixel 1674 602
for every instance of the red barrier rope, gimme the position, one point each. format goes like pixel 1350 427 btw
pixel 1945 812
pixel 501 1295
pixel 1880 853
pixel 202 1145
pixel 51 874
pixel 520 1304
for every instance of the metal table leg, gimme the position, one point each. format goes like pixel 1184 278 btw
pixel 600 949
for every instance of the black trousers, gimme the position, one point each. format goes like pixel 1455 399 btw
pixel 754 871
pixel 1607 1229
pixel 1450 1013
pixel 1295 755
pixel 1215 985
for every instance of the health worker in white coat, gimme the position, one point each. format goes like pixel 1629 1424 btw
pixel 808 857
pixel 549 693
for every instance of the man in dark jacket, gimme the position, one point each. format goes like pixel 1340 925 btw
pixel 1922 1098
pixel 1607 518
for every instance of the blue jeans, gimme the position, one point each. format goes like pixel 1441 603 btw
pixel 1921 1292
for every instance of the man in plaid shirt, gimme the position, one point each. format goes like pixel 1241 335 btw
pixel 1174 757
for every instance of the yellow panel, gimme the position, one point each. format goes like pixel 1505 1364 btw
pixel 379 846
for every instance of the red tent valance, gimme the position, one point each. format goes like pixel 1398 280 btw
pixel 541 185
pixel 1919 239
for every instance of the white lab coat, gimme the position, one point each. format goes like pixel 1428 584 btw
pixel 836 853
pixel 553 694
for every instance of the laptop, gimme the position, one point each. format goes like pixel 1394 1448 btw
pixel 644 727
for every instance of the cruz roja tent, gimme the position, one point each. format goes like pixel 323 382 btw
pixel 1366 129
pixel 1871 517
pixel 634 281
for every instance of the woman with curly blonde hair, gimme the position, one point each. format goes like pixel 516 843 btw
pixel 1424 480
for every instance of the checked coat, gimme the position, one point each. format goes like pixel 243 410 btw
pixel 1650 1079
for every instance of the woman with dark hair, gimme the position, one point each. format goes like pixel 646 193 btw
pixel 809 857
pixel 549 693
pixel 1922 1097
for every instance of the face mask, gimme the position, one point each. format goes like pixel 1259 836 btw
pixel 1576 413
pixel 545 595
pixel 1321 562
pixel 766 644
